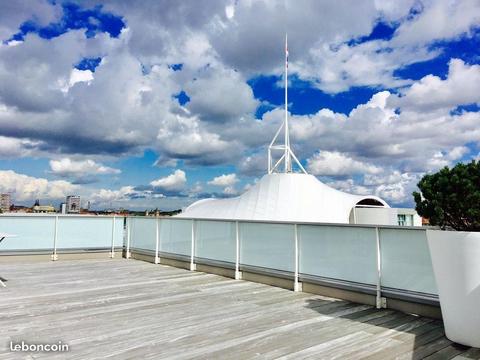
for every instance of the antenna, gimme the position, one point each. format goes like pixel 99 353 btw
pixel 287 152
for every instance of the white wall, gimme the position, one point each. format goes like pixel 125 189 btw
pixel 382 216
pixel 376 216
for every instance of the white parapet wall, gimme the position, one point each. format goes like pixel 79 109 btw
pixel 374 216
pixel 384 216
pixel 456 264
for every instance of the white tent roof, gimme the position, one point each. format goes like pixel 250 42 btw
pixel 282 197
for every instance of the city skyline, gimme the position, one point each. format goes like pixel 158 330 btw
pixel 155 105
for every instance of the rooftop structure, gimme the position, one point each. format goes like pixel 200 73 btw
pixel 285 197
pixel 282 194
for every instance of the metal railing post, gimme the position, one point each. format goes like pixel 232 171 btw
pixel 238 274
pixel 297 286
pixel 157 239
pixel 380 302
pixel 127 254
pixel 55 235
pixel 193 266
pixel 112 253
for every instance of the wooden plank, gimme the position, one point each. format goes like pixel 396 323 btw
pixel 448 352
pixel 127 309
pixel 472 353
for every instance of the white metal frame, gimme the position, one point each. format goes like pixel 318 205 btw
pixel 127 253
pixel 297 286
pixel 193 266
pixel 157 240
pixel 1 239
pixel 238 273
pixel 112 253
pixel 55 236
pixel 380 301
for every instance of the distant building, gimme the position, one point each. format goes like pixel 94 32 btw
pixel 5 202
pixel 73 204
pixel 43 209
pixel 63 208
pixel 20 209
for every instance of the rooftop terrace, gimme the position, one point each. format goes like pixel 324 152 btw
pixel 118 308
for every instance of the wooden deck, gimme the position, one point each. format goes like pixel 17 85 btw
pixel 128 309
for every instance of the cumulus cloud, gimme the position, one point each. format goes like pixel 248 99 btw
pixel 69 167
pixel 16 148
pixel 14 13
pixel 337 65
pixel 350 186
pixel 104 196
pixel 47 107
pixel 185 138
pixel 431 93
pixel 172 182
pixel 254 164
pixel 224 180
pixel 328 163
pixel 28 188
pixel 77 76
pixel 227 181
pixel 439 20
pixel 220 95
pixel 132 198
pixel 230 191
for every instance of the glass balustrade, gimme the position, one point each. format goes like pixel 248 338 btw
pixel 268 245
pixel 215 240
pixel 327 251
pixel 77 232
pixel 343 253
pixel 406 262
pixel 31 232
pixel 176 236
pixel 143 233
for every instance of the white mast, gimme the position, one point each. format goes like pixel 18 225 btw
pixel 287 152
pixel 288 166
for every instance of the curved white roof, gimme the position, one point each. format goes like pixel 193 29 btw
pixel 282 197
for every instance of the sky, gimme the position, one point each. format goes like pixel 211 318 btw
pixel 156 104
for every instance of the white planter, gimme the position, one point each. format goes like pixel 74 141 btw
pixel 456 264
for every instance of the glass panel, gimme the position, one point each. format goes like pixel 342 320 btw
pixel 344 253
pixel 32 232
pixel 176 236
pixel 215 240
pixel 268 245
pixel 77 232
pixel 143 233
pixel 406 262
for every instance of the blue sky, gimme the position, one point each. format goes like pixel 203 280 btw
pixel 157 105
